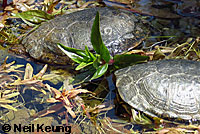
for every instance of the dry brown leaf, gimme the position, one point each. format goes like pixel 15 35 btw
pixel 3 18
pixel 54 78
pixel 85 4
pixel 22 7
pixel 57 94
pixel 4 100
pixel 28 72
pixel 5 65
pixel 99 108
pixel 7 68
pixel 67 85
pixel 8 107
pixel 71 112
pixel 52 100
pixel 136 52
pixel 171 131
pixel 36 89
pixel 73 93
pixel 41 73
pixel 29 2
pixel 18 1
pixel 9 8
pixel 24 82
pixel 51 109
pixel 66 100
pixel 14 68
pixel 6 91
pixel 48 88
pixel 10 95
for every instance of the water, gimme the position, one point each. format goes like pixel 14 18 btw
pixel 179 18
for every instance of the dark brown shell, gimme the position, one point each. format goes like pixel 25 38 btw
pixel 120 30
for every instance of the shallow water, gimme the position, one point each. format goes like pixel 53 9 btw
pixel 178 18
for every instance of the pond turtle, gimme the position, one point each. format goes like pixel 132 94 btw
pixel 165 88
pixel 120 30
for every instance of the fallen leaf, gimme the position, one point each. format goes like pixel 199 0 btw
pixel 8 107
pixel 41 73
pixel 28 72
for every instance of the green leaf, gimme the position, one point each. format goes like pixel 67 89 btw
pixel 34 16
pixel 97 41
pixel 124 60
pixel 97 61
pixel 91 55
pixel 76 55
pixel 72 50
pixel 84 76
pixel 82 65
pixel 100 71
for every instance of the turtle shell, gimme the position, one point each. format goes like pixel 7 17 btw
pixel 120 30
pixel 165 88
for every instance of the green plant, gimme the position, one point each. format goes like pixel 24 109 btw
pixel 97 64
pixel 33 17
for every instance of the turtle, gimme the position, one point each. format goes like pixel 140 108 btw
pixel 168 89
pixel 120 30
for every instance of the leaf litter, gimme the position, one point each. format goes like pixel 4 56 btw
pixel 187 50
pixel 66 97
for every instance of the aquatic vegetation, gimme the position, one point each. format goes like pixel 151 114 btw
pixel 29 80
pixel 8 36
pixel 33 14
pixel 98 63
pixel 10 88
pixel 7 93
pixel 187 50
pixel 67 97
pixel 33 17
